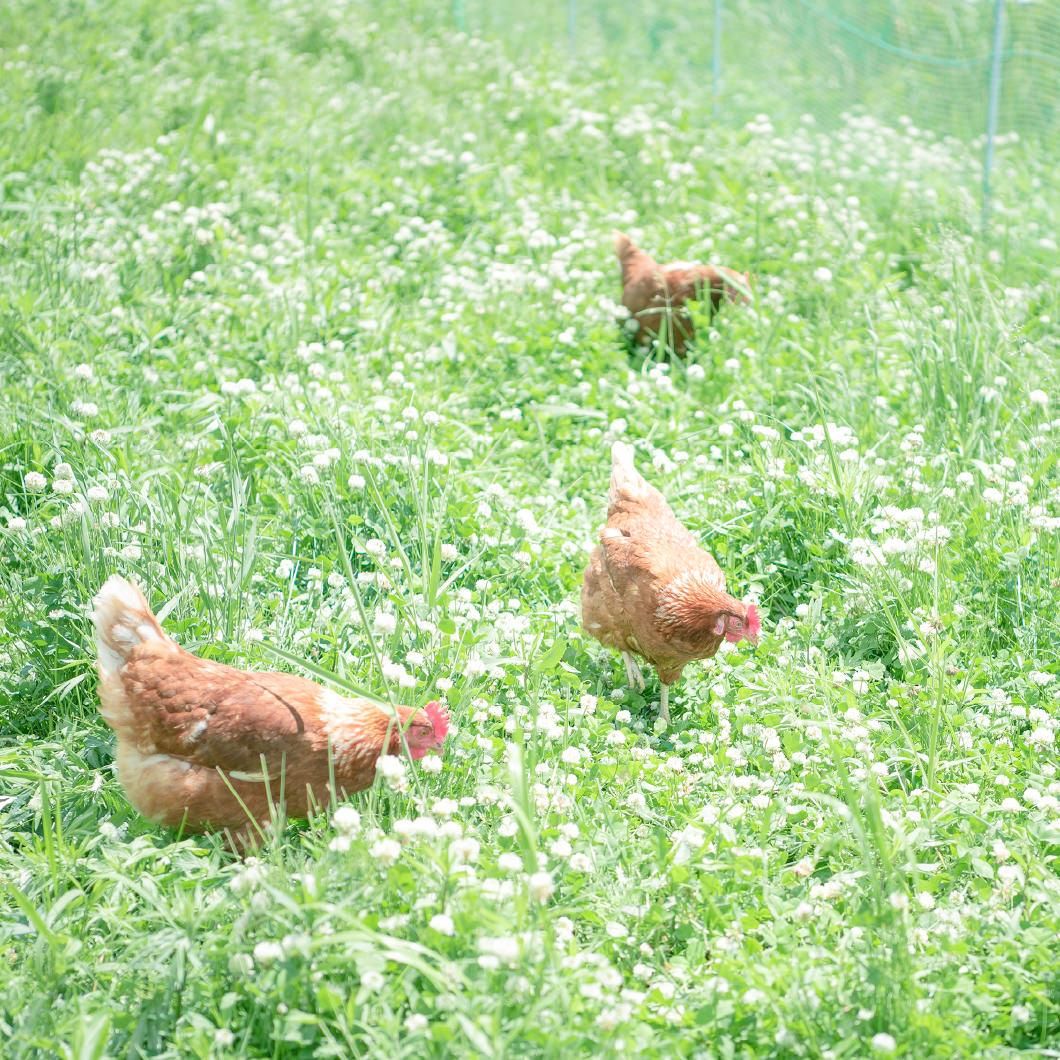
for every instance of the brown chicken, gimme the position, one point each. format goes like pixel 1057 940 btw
pixel 650 590
pixel 655 295
pixel 207 746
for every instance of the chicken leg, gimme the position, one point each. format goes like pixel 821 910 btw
pixel 633 672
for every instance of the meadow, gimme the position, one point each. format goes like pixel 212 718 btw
pixel 308 324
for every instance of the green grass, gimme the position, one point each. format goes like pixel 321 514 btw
pixel 340 276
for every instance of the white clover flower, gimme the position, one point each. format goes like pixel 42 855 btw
pixel 386 851
pixel 355 482
pixel 503 949
pixel 443 924
pixel 393 671
pixel 510 862
pixel 392 769
pixel 616 930
pixel 831 888
pixel 373 981
pixel 564 929
pixel 610 1018
pixel 464 850
pixel 884 1043
pixel 374 547
pixel 384 622
pixel 346 819
pixel 97 494
pixel 431 764
pixel 686 840
pixel 1042 736
pixel 223 1038
pixel 63 486
pixel 1038 397
pixel 542 886
pixel 822 274
pixel 268 952
pixel 561 848
pixel 250 877
pixel 16 523
pixel 1010 876
pixel 416 1023
pixel 34 482
pixel 449 552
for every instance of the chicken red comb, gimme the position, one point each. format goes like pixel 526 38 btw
pixel 439 719
pixel 753 622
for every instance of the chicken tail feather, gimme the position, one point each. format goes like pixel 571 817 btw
pixel 624 246
pixel 626 481
pixel 122 619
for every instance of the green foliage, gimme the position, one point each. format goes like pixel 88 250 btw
pixel 308 323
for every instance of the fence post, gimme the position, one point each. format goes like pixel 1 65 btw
pixel 993 103
pixel 716 64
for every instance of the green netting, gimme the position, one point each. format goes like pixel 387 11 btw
pixel 928 62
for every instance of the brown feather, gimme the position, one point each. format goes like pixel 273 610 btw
pixel 656 295
pixel 209 746
pixel 649 588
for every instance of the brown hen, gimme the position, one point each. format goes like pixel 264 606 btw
pixel 206 746
pixel 650 590
pixel 656 295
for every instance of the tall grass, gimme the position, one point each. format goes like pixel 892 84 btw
pixel 308 324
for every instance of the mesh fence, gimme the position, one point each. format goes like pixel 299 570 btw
pixel 935 63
